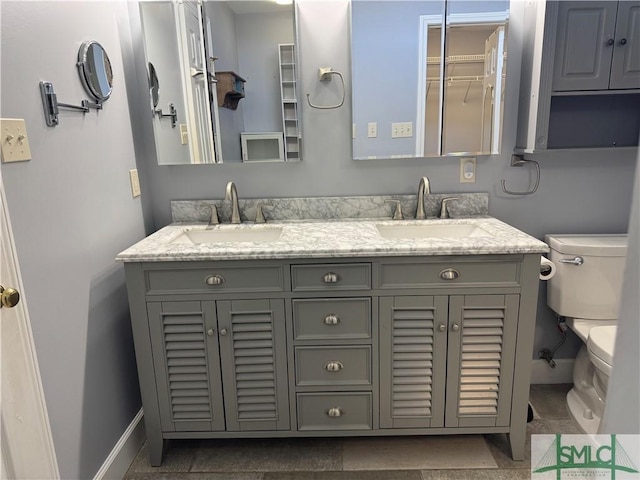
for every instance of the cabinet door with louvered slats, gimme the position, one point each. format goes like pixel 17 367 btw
pixel 253 354
pixel 482 341
pixel 187 365
pixel 413 342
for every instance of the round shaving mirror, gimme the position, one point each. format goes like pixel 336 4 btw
pixel 95 70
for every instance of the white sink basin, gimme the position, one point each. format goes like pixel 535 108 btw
pixel 456 230
pixel 224 234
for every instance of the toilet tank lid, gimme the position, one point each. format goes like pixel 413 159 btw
pixel 602 342
pixel 614 245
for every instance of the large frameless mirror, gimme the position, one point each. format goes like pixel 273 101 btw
pixel 228 71
pixel 427 77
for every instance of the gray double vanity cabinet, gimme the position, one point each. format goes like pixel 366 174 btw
pixel 334 328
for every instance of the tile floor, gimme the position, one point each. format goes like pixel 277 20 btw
pixel 447 457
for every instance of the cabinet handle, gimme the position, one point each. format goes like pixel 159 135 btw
pixel 214 280
pixel 223 332
pixel 210 332
pixel 442 327
pixel 449 274
pixel 331 319
pixel 455 327
pixel 623 41
pixel 335 412
pixel 333 366
pixel 610 42
pixel 331 277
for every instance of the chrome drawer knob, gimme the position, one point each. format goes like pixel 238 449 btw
pixel 335 412
pixel 333 366
pixel 449 274
pixel 331 277
pixel 331 319
pixel 214 280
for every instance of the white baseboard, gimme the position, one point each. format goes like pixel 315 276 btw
pixel 124 452
pixel 542 373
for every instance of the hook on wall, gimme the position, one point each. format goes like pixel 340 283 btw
pixel 518 161
pixel 324 74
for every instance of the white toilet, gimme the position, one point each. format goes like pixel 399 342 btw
pixel 586 290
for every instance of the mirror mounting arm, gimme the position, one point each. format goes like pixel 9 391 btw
pixel 173 113
pixel 51 104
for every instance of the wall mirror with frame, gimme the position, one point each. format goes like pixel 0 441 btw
pixel 428 77
pixel 225 79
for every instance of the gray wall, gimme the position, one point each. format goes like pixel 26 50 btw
pixel 624 385
pixel 72 212
pixel 580 192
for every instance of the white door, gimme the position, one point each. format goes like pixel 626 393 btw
pixel 493 96
pixel 27 446
pixel 196 81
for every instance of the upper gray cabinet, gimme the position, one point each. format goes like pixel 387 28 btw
pixel 580 75
pixel 224 80
pixel 428 77
pixel 598 46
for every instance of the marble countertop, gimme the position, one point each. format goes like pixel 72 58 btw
pixel 332 238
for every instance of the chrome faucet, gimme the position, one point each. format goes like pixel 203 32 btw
pixel 232 194
pixel 423 188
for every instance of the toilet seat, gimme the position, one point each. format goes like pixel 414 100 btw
pixel 601 345
pixel 583 326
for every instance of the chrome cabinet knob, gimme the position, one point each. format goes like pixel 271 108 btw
pixel 442 327
pixel 333 366
pixel 335 412
pixel 455 327
pixel 214 280
pixel 223 332
pixel 210 332
pixel 331 277
pixel 331 319
pixel 449 274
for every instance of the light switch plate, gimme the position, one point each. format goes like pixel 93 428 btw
pixel 184 134
pixel 135 182
pixel 372 129
pixel 15 142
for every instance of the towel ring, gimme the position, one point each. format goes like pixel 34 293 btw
pixel 518 161
pixel 325 76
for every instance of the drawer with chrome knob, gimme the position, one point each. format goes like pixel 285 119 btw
pixel 332 366
pixel 331 318
pixel 335 411
pixel 329 277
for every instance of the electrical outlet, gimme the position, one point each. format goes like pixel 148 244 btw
pixel 372 129
pixel 135 182
pixel 402 130
pixel 468 170
pixel 15 143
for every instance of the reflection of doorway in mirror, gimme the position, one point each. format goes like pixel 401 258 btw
pixel 463 106
pixel 196 77
pixel 493 102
